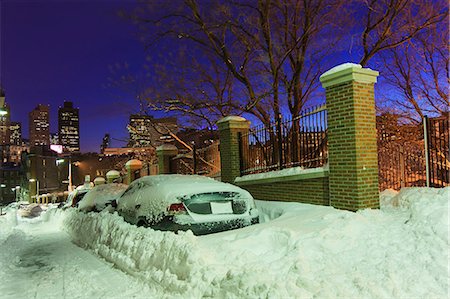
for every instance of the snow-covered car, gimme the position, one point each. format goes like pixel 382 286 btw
pixel 101 197
pixel 187 202
pixel 30 211
pixel 76 196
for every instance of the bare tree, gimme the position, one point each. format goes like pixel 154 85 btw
pixel 260 56
pixel 201 91
pixel 391 23
pixel 418 71
pixel 264 57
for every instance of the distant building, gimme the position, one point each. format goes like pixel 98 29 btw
pixel 69 127
pixel 105 143
pixel 39 120
pixel 15 133
pixel 118 151
pixel 4 120
pixel 11 181
pixel 15 153
pixel 147 131
pixel 43 173
pixel 54 138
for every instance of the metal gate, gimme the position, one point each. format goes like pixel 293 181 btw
pixel 414 156
pixel 437 149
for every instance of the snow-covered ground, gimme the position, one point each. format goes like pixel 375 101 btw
pixel 299 251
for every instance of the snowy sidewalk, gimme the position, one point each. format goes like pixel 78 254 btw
pixel 38 260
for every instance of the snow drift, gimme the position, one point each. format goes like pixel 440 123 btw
pixel 301 251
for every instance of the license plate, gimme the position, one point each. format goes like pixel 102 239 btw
pixel 221 207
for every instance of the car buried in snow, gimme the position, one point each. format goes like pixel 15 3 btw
pixel 102 197
pixel 187 202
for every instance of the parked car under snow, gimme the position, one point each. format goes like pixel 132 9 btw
pixel 187 202
pixel 101 197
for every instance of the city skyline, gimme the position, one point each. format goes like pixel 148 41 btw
pixel 68 62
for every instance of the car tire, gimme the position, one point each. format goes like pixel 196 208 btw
pixel 142 223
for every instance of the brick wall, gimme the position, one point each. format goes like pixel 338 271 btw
pixel 312 191
pixel 352 180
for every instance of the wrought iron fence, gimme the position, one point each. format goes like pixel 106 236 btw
pixel 301 141
pixel 437 150
pixel 414 156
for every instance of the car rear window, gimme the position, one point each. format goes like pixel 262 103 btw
pixel 200 203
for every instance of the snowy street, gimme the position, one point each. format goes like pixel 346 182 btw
pixel 299 251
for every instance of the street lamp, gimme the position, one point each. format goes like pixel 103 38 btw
pixel 59 162
pixel 2 186
pixel 17 190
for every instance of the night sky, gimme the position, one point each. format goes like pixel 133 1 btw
pixel 53 51
pixel 56 50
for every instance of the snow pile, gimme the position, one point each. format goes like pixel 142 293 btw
pixel 30 211
pixel 164 259
pixel 38 260
pixel 301 251
pixel 428 208
pixel 8 221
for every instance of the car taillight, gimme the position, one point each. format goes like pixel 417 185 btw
pixel 177 208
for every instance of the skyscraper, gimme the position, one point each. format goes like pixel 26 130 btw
pixel 69 127
pixel 4 120
pixel 39 120
pixel 147 131
pixel 15 133
pixel 105 143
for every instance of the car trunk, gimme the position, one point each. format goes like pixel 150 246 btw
pixel 216 203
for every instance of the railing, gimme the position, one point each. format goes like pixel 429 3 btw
pixel 301 141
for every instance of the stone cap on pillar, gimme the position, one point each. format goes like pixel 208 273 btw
pixel 133 164
pixel 99 181
pixel 348 72
pixel 233 122
pixel 170 149
pixel 113 174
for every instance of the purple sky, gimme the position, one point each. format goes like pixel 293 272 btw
pixel 53 51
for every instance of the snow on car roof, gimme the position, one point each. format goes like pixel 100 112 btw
pixel 188 184
pixel 100 195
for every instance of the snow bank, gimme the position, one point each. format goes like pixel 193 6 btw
pixel 161 258
pixel 428 209
pixel 301 251
pixel 14 217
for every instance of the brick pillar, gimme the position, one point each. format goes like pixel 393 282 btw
pixel 352 139
pixel 165 154
pixel 133 168
pixel 112 176
pixel 229 129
